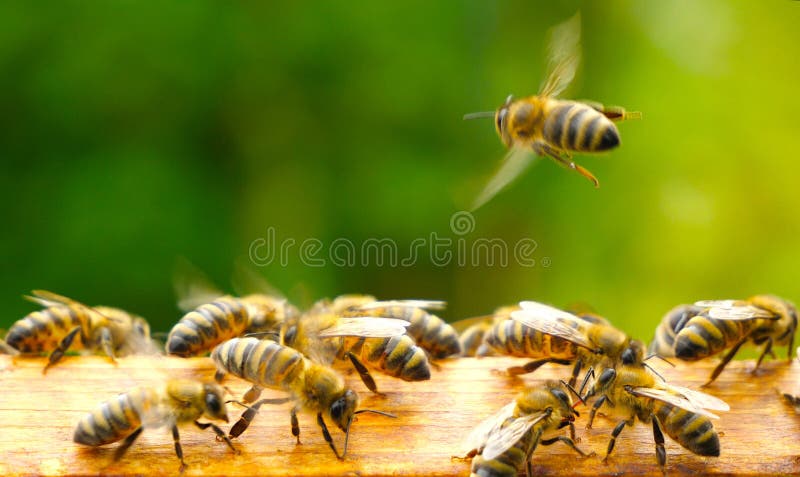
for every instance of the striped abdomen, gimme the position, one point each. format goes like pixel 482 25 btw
pixel 703 336
pixel 512 338
pixel 429 331
pixel 673 322
pixel 573 126
pixel 206 326
pixel 507 464
pixel 42 330
pixel 691 430
pixel 115 419
pixel 397 356
pixel 472 340
pixel 262 362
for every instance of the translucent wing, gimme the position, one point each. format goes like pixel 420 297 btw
pixel 734 310
pixel 48 298
pixel 509 434
pixel 700 399
pixel 426 304
pixel 514 163
pixel 192 287
pixel 564 53
pixel 368 327
pixel 480 434
pixel 551 321
pixel 247 281
pixel 671 398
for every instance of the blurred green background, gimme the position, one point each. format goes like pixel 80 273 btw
pixel 137 132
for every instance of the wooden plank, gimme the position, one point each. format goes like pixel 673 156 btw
pixel 38 414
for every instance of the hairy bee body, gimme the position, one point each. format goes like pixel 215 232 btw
pixel 262 362
pixel 177 402
pixel 472 339
pixel 664 340
pixel 512 338
pixel 208 325
pixel 42 330
pixel 509 463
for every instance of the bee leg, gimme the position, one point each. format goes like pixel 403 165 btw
pixel 107 343
pixel 363 372
pixel 534 365
pixel 126 444
pixel 600 401
pixel 589 375
pixel 658 436
pixel 176 438
pixel 567 441
pixel 252 394
pixel 219 432
pixel 569 164
pixel 63 346
pixel 614 434
pixel 296 428
pixel 790 349
pixel 529 453
pixel 767 350
pixel 247 416
pixel 576 371
pixel 327 435
pixel 725 360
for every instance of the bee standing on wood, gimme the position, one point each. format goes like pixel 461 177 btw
pixel 631 391
pixel 54 329
pixel 504 443
pixel 313 387
pixel 547 126
pixel 693 332
pixel 177 402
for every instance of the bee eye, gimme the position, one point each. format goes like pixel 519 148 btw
pixel 501 117
pixel 628 356
pixel 561 395
pixel 213 404
pixel 290 335
pixel 337 409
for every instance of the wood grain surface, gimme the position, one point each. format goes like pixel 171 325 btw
pixel 760 435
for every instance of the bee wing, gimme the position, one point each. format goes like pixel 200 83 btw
pixel 506 436
pixel 48 298
pixel 425 304
pixel 477 438
pixel 514 163
pixel 734 310
pixel 670 398
pixel 701 399
pixel 192 287
pixel 247 281
pixel 545 319
pixel 564 53
pixel 366 326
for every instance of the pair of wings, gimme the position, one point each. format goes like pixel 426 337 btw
pixel 501 431
pixel 48 299
pixel 552 321
pixel 377 327
pixel 564 56
pixel 737 310
pixel 684 398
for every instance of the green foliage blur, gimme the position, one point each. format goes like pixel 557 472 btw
pixel 137 132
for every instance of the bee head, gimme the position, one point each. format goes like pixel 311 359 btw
pixel 214 402
pixel 343 409
pixel 501 121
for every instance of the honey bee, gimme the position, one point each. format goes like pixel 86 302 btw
pixel 54 329
pixel 430 332
pixel 313 387
pixel 693 332
pixel 475 331
pixel 681 412
pixel 547 126
pixel 175 403
pixel 505 441
pixel 551 335
pixel 379 343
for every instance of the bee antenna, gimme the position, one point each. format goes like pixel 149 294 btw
pixel 234 401
pixel 656 355
pixel 654 371
pixel 382 413
pixel 479 115
pixel 580 399
pixel 350 422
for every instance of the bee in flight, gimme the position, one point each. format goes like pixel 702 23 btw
pixel 693 332
pixel 313 387
pixel 173 404
pixel 324 335
pixel 54 329
pixel 547 126
pixel 632 391
pixel 505 441
pixel 430 332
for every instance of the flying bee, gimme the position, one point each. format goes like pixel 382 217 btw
pixel 505 441
pixel 633 392
pixel 313 387
pixel 430 332
pixel 177 402
pixel 54 329
pixel 382 344
pixel 547 126
pixel 693 332
pixel 550 335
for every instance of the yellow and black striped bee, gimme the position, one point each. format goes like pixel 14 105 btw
pixel 693 332
pixel 177 402
pixel 632 392
pixel 473 332
pixel 550 335
pixel 313 387
pixel 504 443
pixel 368 342
pixel 547 126
pixel 430 332
pixel 54 329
